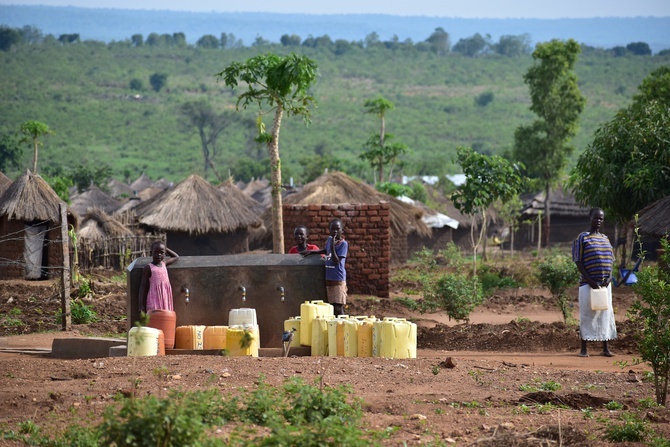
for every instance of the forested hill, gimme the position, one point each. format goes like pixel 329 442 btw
pixel 117 24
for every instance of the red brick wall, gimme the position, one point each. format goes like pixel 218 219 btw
pixel 366 228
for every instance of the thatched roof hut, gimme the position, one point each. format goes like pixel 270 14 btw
pixel 30 208
pixel 230 189
pixel 94 197
pixel 654 219
pixel 199 219
pixel 31 199
pixel 119 189
pixel 338 187
pixel 142 183
pixel 96 225
pixel 4 183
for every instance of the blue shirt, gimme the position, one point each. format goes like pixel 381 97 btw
pixel 336 272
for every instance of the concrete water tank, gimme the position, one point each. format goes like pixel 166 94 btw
pixel 275 285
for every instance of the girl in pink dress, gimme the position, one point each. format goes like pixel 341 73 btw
pixel 155 289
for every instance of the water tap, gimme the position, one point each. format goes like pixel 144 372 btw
pixel 281 291
pixel 244 293
pixel 187 298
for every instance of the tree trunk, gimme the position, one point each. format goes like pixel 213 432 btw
pixel 35 152
pixel 275 170
pixel 547 216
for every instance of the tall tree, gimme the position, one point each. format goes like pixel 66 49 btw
pixel 487 179
pixel 556 100
pixel 380 152
pixel 32 132
pixel 439 41
pixel 200 115
pixel 276 84
pixel 626 166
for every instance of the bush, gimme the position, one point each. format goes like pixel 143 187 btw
pixel 652 310
pixel 454 293
pixel 558 274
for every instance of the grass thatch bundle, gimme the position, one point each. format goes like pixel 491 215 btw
pixel 119 189
pixel 96 225
pixel 143 182
pixel 196 207
pixel 30 199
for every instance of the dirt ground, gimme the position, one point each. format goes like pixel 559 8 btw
pixel 485 383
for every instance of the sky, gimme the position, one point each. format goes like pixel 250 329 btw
pixel 538 9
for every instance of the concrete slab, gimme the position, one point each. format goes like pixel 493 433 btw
pixel 83 348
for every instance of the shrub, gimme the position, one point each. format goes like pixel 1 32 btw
pixel 632 429
pixel 558 274
pixel 455 293
pixel 652 310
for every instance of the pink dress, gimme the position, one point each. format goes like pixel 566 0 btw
pixel 160 291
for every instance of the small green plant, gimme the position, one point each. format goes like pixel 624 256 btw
pixel 407 302
pixel 550 385
pixel 436 369
pixel 439 410
pixel 652 310
pixel 454 293
pixel 558 274
pixel 80 312
pixel 631 429
pixel 587 412
pixel 613 406
pixel 85 289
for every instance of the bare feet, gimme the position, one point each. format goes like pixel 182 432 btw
pixel 583 354
pixel 608 354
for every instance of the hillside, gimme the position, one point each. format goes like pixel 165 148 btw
pixel 82 91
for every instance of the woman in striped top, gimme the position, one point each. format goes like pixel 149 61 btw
pixel 594 257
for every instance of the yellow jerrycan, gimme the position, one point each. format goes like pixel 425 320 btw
pixel 336 336
pixel 189 337
pixel 319 341
pixel 242 341
pixel 214 337
pixel 365 337
pixel 308 311
pixel 293 323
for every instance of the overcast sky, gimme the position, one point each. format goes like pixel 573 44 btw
pixel 541 9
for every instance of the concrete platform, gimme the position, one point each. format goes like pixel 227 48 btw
pixel 83 348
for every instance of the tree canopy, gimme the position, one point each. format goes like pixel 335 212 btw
pixel 279 84
pixel 557 101
pixel 626 166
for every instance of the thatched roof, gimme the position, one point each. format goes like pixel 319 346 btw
pixel 119 189
pixel 30 198
pixel 4 183
pixel 149 192
pixel 98 225
pixel 93 197
pixel 561 203
pixel 229 188
pixel 128 205
pixel 654 219
pixel 339 188
pixel 142 183
pixel 196 207
pixel 163 184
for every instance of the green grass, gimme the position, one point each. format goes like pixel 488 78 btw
pixel 83 93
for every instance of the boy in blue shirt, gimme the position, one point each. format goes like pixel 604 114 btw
pixel 336 251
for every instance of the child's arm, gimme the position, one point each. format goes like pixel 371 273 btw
pixel 174 257
pixel 144 288
pixel 315 252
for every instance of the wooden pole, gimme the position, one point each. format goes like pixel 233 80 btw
pixel 65 271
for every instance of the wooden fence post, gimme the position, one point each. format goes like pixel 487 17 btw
pixel 65 271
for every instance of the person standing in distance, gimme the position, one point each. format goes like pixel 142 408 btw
pixel 594 257
pixel 155 289
pixel 336 251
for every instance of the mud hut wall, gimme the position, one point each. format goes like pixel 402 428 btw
pixel 439 240
pixel 11 247
pixel 366 228
pixel 210 244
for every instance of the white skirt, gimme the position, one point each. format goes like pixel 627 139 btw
pixel 595 325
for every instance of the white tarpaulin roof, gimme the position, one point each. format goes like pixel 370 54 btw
pixel 432 218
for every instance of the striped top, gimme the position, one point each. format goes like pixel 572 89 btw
pixel 595 253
